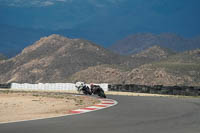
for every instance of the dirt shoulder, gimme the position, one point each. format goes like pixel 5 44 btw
pixel 16 106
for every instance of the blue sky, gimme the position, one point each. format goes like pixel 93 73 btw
pixel 113 19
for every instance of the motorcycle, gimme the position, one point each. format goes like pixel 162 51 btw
pixel 97 90
pixel 94 89
pixel 86 90
pixel 82 87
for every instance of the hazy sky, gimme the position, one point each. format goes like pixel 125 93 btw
pixel 110 19
pixel 150 15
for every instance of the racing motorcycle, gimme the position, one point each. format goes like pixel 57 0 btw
pixel 97 90
pixel 94 89
pixel 82 87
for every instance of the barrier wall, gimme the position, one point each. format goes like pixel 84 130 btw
pixel 5 86
pixel 50 86
pixel 157 89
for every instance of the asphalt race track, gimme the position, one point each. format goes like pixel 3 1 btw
pixel 131 115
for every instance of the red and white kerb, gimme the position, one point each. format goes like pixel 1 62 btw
pixel 105 103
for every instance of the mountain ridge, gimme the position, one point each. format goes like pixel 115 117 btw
pixel 53 58
pixel 137 42
pixel 59 59
pixel 171 71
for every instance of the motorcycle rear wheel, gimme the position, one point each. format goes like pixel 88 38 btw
pixel 102 94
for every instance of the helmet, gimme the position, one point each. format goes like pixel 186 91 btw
pixel 79 84
pixel 91 85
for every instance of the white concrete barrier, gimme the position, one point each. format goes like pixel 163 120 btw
pixel 51 86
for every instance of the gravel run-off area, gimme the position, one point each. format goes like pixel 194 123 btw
pixel 17 106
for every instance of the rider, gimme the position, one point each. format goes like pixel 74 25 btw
pixel 94 88
pixel 79 85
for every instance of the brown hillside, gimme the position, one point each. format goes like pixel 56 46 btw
pixel 138 42
pixel 154 53
pixel 54 58
pixel 59 59
pixel 179 69
pixel 149 55
pixel 99 74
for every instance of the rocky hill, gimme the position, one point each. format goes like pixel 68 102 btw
pixel 117 74
pixel 178 69
pixel 99 74
pixel 54 58
pixel 59 59
pixel 152 54
pixel 138 42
